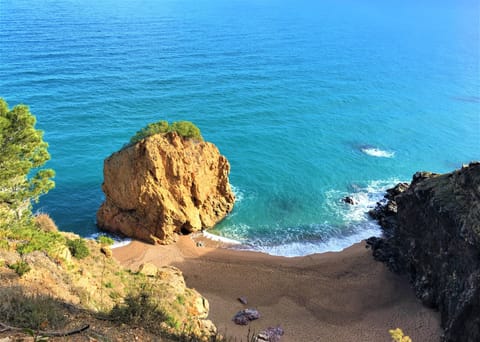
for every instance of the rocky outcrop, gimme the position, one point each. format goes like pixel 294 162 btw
pixel 432 233
pixel 98 283
pixel 165 185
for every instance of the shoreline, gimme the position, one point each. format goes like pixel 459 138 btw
pixel 332 296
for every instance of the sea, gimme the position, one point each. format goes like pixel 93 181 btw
pixel 310 101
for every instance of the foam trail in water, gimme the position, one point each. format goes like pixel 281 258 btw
pixel 376 152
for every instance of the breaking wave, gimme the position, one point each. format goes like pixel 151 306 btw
pixel 347 225
pixel 376 152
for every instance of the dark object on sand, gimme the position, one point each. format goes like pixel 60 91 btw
pixel 243 317
pixel 243 300
pixel 270 335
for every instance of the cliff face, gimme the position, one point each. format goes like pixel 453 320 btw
pixel 162 185
pixel 432 233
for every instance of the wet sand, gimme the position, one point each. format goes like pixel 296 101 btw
pixel 337 296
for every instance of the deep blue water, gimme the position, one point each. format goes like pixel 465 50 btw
pixel 309 100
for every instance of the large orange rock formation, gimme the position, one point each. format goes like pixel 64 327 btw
pixel 165 185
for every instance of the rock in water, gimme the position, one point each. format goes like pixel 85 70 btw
pixel 433 236
pixel 349 200
pixel 165 185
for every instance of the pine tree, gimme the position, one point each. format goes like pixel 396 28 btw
pixel 22 154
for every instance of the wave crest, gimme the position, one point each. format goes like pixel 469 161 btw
pixel 376 152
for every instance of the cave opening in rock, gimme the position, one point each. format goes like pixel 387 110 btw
pixel 184 230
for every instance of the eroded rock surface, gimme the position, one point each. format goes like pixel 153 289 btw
pixel 165 185
pixel 432 233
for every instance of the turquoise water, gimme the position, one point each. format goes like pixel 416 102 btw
pixel 309 100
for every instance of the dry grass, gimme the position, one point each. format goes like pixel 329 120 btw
pixel 45 223
pixel 33 311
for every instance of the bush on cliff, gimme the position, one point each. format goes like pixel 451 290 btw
pixel 26 237
pixel 140 309
pixel 185 129
pixel 78 248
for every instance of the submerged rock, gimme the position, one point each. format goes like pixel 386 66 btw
pixel 433 235
pixel 349 200
pixel 165 185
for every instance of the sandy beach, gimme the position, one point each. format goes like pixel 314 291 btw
pixel 337 296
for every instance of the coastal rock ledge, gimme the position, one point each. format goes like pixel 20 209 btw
pixel 165 185
pixel 432 234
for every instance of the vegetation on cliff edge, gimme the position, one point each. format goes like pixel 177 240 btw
pixel 185 129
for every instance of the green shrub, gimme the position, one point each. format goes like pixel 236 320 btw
pixel 150 129
pixel 105 240
pixel 4 244
pixel 184 128
pixel 36 240
pixel 172 322
pixel 181 299
pixel 21 267
pixel 78 248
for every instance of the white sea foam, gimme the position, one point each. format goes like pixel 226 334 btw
pixel 219 238
pixel 121 243
pixel 355 216
pixel 334 244
pixel 365 198
pixel 376 152
pixel 239 195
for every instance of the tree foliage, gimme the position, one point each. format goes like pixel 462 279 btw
pixel 23 153
pixel 184 128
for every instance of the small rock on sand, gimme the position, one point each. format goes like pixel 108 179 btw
pixel 243 317
pixel 243 300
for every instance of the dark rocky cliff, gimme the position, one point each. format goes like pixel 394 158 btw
pixel 432 234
